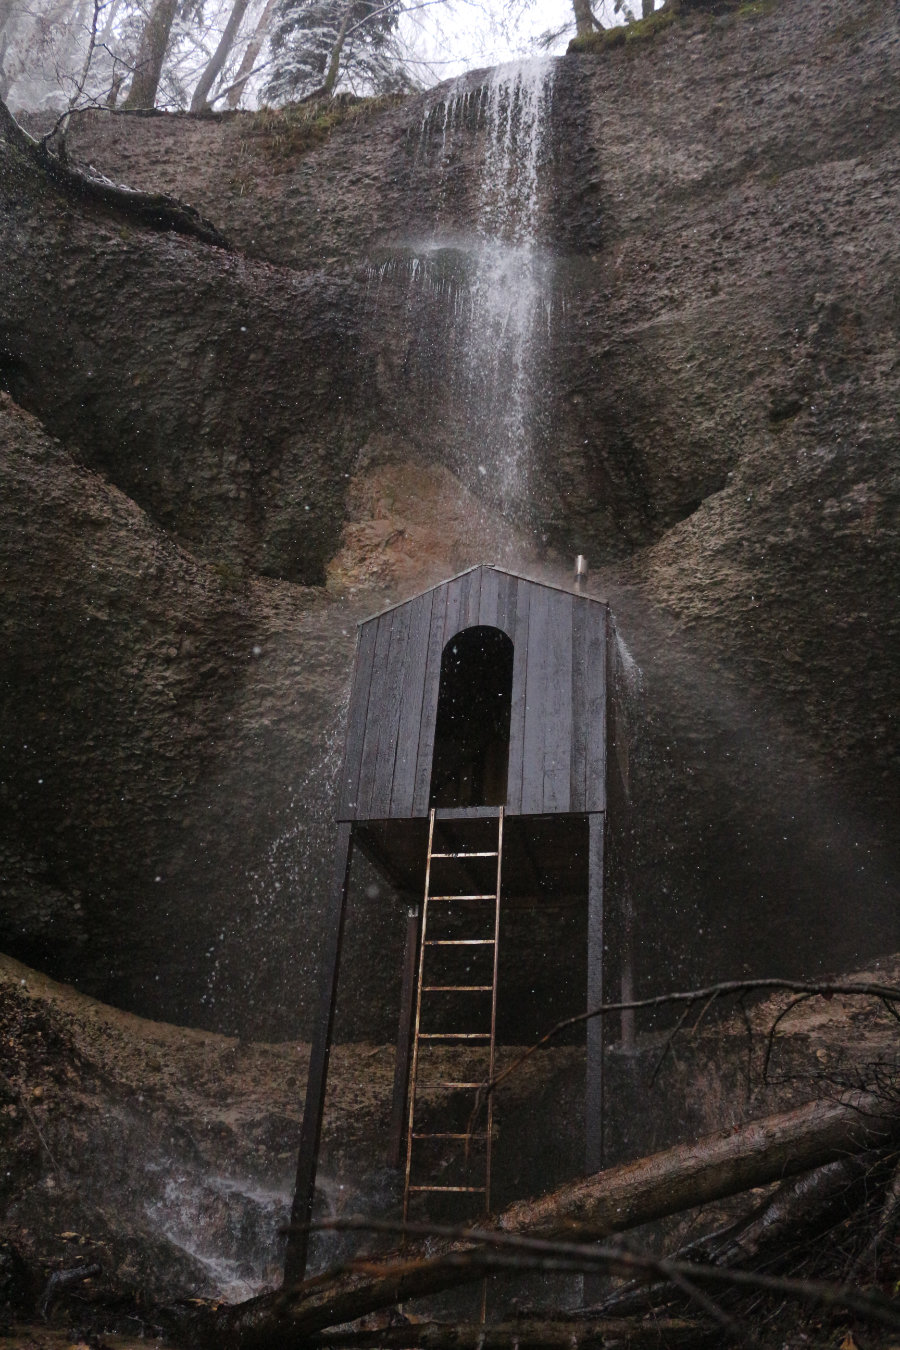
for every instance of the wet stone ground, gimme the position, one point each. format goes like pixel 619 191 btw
pixel 161 1157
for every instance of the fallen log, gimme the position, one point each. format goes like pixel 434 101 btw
pixel 589 1209
pixel 800 1209
pixel 549 1333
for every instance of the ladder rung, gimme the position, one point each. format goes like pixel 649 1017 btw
pixel 473 1134
pixel 491 895
pixel 457 988
pixel 465 855
pixel 478 1045
pixel 480 1190
pixel 454 1035
pixel 459 942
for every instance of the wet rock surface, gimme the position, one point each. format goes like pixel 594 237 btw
pixel 717 430
pixel 140 684
pixel 166 1155
pixel 162 1157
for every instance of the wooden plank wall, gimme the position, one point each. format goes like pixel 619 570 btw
pixel 557 728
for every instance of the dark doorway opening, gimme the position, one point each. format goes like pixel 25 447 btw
pixel 471 739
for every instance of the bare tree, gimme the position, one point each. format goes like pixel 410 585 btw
pixel 251 55
pixel 204 85
pixel 6 27
pixel 584 18
pixel 151 55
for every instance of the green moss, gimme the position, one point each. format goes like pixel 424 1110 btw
pixel 598 42
pixel 297 127
pixel 642 30
pixel 755 9
pixel 229 578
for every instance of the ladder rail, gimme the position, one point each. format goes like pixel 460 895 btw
pixel 487 1038
pixel 490 1095
pixel 414 1070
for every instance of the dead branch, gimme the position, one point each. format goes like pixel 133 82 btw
pixel 534 1254
pixel 886 994
pixel 564 1333
pixel 890 1213
pixel 20 1095
pixel 157 210
pixel 591 1208
pixel 800 1209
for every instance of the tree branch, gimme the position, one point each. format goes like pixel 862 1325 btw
pixel 886 993
pixel 548 1334
pixel 157 210
pixel 488 1250
pixel 593 1208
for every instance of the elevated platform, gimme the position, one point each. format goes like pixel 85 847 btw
pixel 545 858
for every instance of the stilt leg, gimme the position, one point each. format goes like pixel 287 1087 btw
pixel 404 1038
pixel 594 1093
pixel 310 1133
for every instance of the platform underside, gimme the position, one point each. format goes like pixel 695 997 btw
pixel 545 858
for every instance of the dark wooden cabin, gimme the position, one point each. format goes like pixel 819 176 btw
pixel 475 758
pixel 556 724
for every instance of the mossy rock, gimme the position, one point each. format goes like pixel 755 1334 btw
pixel 291 130
pixel 755 9
pixel 642 30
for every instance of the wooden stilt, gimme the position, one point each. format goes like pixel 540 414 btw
pixel 594 1093
pixel 404 1039
pixel 314 1106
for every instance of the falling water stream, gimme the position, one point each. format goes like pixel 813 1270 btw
pixel 490 283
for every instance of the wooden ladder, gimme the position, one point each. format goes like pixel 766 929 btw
pixel 430 950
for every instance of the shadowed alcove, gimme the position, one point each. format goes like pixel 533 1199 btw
pixel 471 739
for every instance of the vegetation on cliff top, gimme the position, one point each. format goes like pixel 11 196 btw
pixel 649 27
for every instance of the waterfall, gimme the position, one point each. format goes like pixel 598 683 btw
pixel 485 289
pixel 508 306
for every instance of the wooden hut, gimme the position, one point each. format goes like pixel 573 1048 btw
pixel 474 776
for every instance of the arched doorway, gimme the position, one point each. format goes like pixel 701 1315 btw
pixel 471 739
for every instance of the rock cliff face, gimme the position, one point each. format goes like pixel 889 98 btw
pixel 714 424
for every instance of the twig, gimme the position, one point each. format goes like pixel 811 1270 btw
pixel 549 1254
pixel 890 1211
pixel 691 997
pixel 703 1011
pixel 62 122
pixel 19 1092
pixel 770 1039
pixel 748 1027
pixel 712 1309
pixel 671 1037
pixel 554 1331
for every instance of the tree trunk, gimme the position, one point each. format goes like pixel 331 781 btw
pixel 334 65
pixel 151 54
pixel 6 12
pixel 219 56
pixel 249 60
pixel 8 25
pixel 584 18
pixel 589 1209
pixel 647 8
